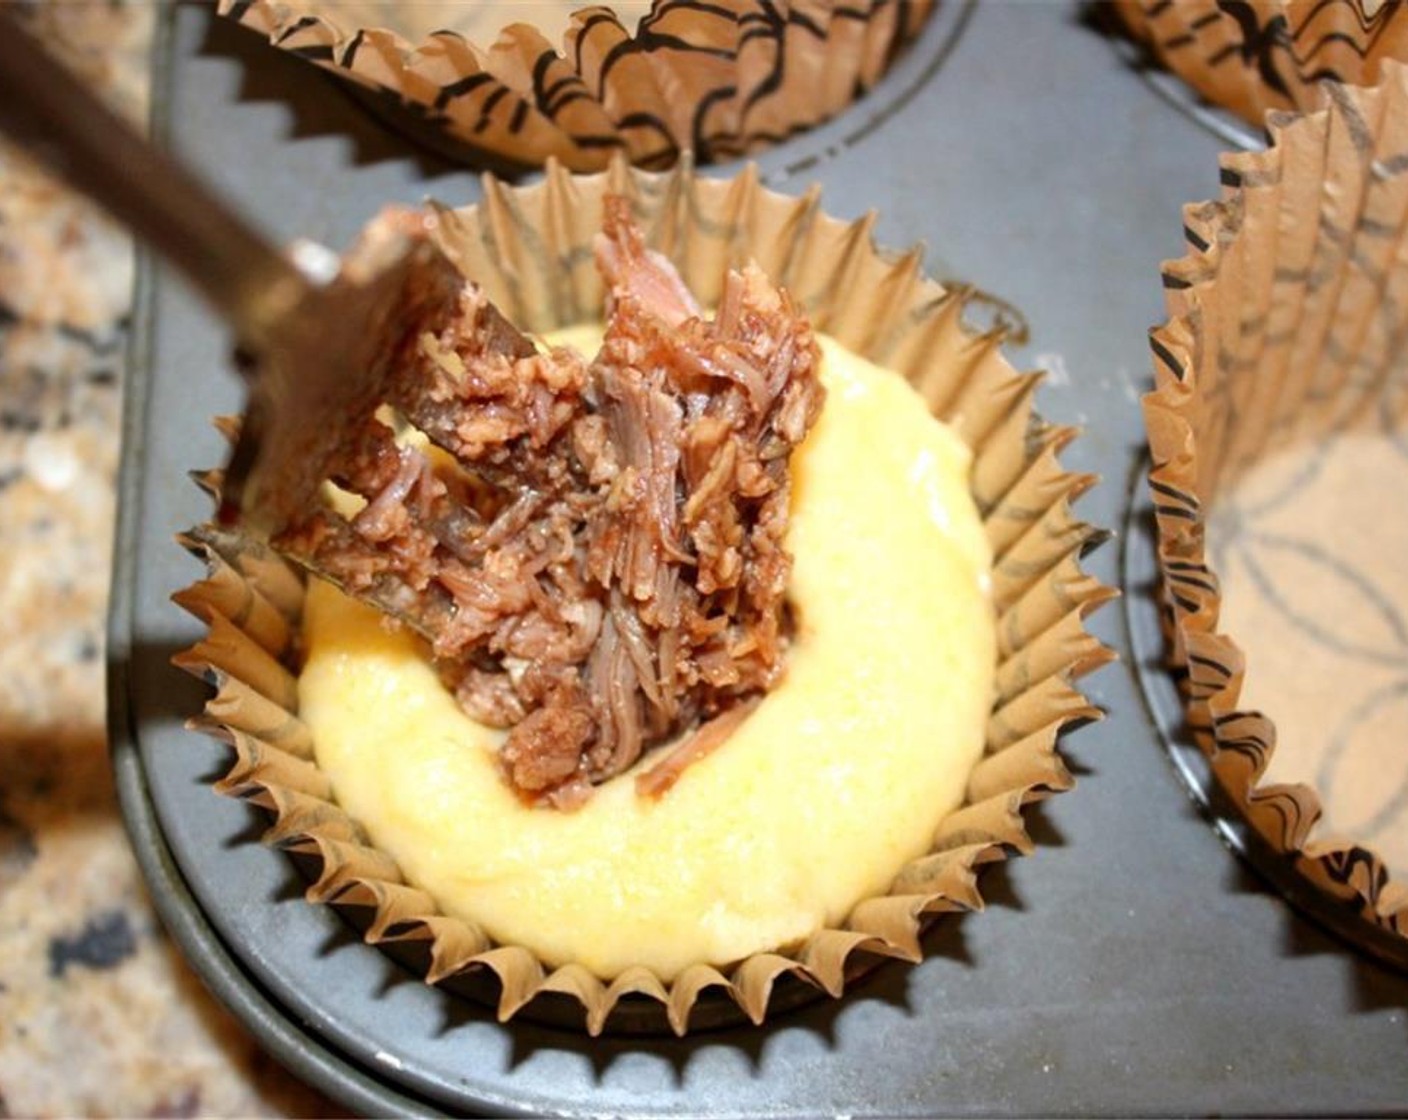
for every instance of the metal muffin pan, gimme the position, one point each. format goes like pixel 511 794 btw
pixel 1131 965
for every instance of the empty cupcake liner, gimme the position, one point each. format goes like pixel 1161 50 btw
pixel 1278 430
pixel 530 249
pixel 1251 58
pixel 716 80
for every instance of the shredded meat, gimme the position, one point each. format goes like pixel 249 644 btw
pixel 596 549
pixel 708 738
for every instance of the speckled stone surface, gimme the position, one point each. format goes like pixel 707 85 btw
pixel 98 1014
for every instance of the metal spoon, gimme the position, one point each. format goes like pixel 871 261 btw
pixel 311 336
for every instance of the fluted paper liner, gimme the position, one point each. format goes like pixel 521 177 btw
pixel 530 249
pixel 718 80
pixel 1286 334
pixel 1271 54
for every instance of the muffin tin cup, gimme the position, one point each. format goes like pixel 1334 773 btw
pixel 1253 58
pixel 530 249
pixel 716 81
pixel 1277 431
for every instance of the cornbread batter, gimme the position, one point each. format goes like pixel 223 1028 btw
pixel 837 778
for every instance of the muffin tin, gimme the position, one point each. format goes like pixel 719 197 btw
pixel 1131 965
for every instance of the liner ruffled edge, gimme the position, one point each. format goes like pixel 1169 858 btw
pixel 528 247
pixel 695 77
pixel 1253 58
pixel 1318 177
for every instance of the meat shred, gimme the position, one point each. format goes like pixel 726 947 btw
pixel 598 561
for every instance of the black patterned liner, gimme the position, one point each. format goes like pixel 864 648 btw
pixel 1255 57
pixel 1287 324
pixel 719 80
pixel 530 249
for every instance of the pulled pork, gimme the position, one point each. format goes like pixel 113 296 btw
pixel 598 562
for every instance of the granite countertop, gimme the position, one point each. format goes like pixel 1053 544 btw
pixel 99 1015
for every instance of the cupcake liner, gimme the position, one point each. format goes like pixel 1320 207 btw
pixel 715 80
pixel 530 249
pixel 1277 430
pixel 1251 58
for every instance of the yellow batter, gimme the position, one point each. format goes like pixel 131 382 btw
pixel 838 777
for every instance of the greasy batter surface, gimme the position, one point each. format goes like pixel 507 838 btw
pixel 837 778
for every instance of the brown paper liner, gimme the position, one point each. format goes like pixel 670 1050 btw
pixel 530 249
pixel 1286 329
pixel 1251 58
pixel 717 80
